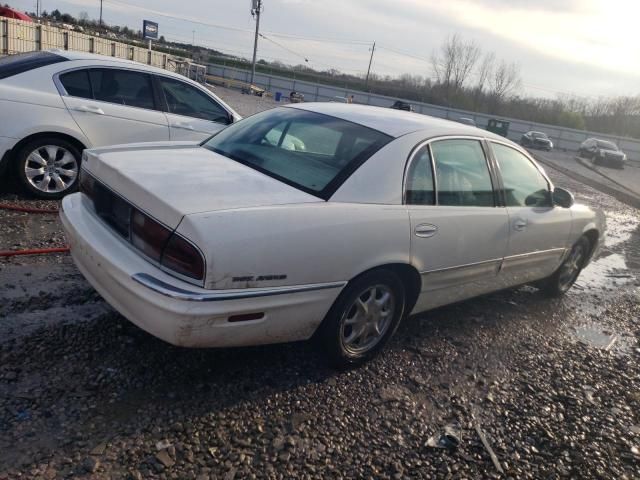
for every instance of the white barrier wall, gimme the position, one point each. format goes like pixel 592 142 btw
pixel 17 36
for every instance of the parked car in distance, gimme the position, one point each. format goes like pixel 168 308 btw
pixel 400 105
pixel 536 140
pixel 467 121
pixel 54 104
pixel 500 127
pixel 371 216
pixel 296 97
pixel 602 152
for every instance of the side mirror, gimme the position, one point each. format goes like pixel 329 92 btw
pixel 562 198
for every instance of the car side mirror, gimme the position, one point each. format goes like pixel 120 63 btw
pixel 562 198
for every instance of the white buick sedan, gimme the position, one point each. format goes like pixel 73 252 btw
pixel 56 103
pixel 319 219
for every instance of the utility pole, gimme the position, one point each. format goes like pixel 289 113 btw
pixel 100 13
pixel 257 8
pixel 38 8
pixel 373 49
pixel 193 42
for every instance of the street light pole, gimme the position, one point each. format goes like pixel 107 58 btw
pixel 100 12
pixel 257 8
pixel 373 49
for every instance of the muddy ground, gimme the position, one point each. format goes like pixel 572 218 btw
pixel 553 385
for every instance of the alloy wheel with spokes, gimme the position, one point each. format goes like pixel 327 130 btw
pixel 368 318
pixel 571 267
pixel 363 318
pixel 566 275
pixel 49 167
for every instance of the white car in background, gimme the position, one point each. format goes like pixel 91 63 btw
pixel 54 104
pixel 373 215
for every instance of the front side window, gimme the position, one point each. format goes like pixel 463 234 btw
pixel 419 183
pixel 310 151
pixel 184 99
pixel 462 173
pixel 524 185
pixel 76 83
pixel 123 87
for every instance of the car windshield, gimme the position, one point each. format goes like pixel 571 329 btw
pixel 539 135
pixel 606 145
pixel 310 151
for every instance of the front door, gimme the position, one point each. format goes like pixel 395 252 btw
pixel 113 106
pixel 538 231
pixel 458 234
pixel 192 115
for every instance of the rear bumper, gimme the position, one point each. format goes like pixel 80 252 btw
pixel 178 312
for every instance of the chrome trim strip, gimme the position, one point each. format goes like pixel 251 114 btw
pixel 177 293
pixel 536 253
pixel 460 267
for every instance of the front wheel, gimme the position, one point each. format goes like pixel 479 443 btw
pixel 48 167
pixel 363 318
pixel 563 279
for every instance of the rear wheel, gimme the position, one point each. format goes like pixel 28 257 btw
pixel 563 279
pixel 48 167
pixel 363 318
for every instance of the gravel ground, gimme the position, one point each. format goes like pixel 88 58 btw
pixel 551 386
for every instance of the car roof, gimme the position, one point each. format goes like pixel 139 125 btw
pixel 394 123
pixel 104 59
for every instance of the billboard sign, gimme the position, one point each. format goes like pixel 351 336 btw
pixel 149 30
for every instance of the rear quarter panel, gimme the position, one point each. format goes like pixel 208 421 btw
pixel 297 244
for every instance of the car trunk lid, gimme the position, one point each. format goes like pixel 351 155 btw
pixel 169 180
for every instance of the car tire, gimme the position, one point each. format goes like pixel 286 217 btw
pixel 566 275
pixel 48 157
pixel 372 304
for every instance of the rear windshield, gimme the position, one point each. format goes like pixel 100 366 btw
pixel 313 152
pixel 15 64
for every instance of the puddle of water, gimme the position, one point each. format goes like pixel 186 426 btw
pixel 620 227
pixel 598 336
pixel 607 272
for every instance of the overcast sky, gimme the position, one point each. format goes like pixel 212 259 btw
pixel 582 47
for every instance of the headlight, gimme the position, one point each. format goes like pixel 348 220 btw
pixel 550 144
pixel 601 153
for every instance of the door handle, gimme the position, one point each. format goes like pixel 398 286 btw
pixel 90 109
pixel 426 230
pixel 520 224
pixel 183 126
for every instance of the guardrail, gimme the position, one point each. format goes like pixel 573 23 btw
pixel 563 138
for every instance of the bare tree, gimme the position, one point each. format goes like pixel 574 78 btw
pixel 503 82
pixel 485 70
pixel 454 63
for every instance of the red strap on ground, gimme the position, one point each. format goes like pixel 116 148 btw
pixel 5 206
pixel 33 251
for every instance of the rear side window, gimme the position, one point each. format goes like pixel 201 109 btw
pixel 124 87
pixel 77 84
pixel 462 174
pixel 15 64
pixel 420 189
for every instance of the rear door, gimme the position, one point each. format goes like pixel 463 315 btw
pixel 538 231
pixel 458 233
pixel 114 106
pixel 191 113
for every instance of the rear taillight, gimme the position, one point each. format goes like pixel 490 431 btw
pixel 87 184
pixel 183 258
pixel 148 236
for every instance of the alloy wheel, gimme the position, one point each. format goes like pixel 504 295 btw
pixel 571 267
pixel 367 319
pixel 51 169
